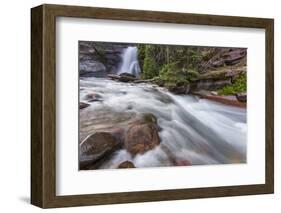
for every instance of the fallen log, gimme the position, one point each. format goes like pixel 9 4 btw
pixel 113 76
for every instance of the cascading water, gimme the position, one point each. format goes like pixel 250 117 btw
pixel 195 130
pixel 130 62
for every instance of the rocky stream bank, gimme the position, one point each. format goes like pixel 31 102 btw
pixel 162 106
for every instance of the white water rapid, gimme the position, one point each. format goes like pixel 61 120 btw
pixel 193 130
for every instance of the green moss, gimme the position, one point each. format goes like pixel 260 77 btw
pixel 239 85
pixel 157 80
pixel 149 118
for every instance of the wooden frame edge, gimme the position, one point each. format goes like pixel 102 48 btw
pixel 36 106
pixel 43 105
pixel 269 120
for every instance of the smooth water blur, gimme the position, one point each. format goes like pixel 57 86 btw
pixel 130 62
pixel 193 130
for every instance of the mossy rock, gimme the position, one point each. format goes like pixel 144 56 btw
pixel 214 75
pixel 126 165
pixel 149 118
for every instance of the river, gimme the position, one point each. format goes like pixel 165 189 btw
pixel 193 130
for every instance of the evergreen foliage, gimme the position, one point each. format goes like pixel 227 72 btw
pixel 180 65
pixel 239 85
pixel 150 67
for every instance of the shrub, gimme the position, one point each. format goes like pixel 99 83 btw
pixel 239 85
pixel 172 75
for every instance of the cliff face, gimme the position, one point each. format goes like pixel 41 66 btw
pixel 97 59
pixel 219 57
pixel 222 68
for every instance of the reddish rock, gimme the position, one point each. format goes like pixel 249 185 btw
pixel 182 163
pixel 142 135
pixel 228 100
pixel 91 97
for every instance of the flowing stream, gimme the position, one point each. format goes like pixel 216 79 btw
pixel 193 130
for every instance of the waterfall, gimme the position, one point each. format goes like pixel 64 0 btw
pixel 130 62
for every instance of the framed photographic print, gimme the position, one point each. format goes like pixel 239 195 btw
pixel 136 106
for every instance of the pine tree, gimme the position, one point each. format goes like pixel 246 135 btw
pixel 150 68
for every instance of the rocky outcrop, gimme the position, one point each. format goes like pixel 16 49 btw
pixel 89 68
pixel 97 59
pixel 142 135
pixel 217 79
pixel 179 89
pixel 211 84
pixel 95 148
pixel 83 105
pixel 241 97
pixel 219 57
pixel 126 164
pixel 104 120
pixel 233 56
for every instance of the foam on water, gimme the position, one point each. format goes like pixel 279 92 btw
pixel 194 130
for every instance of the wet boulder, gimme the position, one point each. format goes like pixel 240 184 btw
pixel 242 97
pixel 127 77
pixel 113 77
pixel 141 138
pixel 182 163
pixel 96 147
pixel 142 135
pixel 179 89
pixel 126 164
pixel 148 118
pixel 83 105
pixel 92 97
